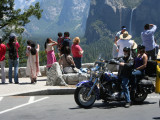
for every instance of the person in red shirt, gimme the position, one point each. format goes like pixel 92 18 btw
pixel 77 52
pixel 2 60
pixel 13 46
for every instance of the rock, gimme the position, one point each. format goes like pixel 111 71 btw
pixel 87 65
pixel 22 72
pixel 83 76
pixel 6 72
pixel 54 76
pixel 74 78
pixel 43 70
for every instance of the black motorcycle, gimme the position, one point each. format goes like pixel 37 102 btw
pixel 104 85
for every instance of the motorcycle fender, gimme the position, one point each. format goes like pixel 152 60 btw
pixel 89 84
pixel 85 83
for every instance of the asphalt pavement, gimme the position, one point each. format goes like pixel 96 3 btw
pixel 63 107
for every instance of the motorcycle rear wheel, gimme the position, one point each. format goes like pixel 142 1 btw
pixel 81 98
pixel 139 97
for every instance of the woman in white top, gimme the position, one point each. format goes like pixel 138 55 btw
pixel 124 41
pixel 50 51
pixel 33 63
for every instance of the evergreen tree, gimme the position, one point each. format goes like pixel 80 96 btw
pixel 14 20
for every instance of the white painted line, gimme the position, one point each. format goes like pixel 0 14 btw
pixel 31 99
pixel 22 105
pixel 1 98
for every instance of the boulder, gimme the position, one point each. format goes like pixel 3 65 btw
pixel 22 72
pixel 87 65
pixel 43 70
pixel 54 76
pixel 74 78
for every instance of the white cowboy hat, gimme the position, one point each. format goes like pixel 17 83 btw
pixel 125 36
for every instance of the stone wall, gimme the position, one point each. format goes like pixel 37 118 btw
pixel 43 69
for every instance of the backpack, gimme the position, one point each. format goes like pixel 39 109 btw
pixel 12 52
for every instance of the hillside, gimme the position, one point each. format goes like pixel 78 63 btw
pixel 107 16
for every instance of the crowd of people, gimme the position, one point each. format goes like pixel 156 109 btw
pixel 133 58
pixel 64 45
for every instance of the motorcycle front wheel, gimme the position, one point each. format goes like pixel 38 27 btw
pixel 81 98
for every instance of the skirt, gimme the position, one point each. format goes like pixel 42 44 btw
pixel 51 58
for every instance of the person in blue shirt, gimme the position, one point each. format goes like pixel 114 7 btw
pixel 148 40
pixel 66 42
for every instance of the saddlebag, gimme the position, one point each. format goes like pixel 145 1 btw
pixel 147 85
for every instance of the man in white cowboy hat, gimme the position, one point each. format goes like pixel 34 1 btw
pixel 115 47
pixel 123 29
pixel 124 41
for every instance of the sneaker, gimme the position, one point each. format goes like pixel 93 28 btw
pixel 127 105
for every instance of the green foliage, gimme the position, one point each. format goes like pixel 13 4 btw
pixel 42 58
pixel 11 17
pixel 101 45
pixel 12 20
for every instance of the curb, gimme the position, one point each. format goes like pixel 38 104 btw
pixel 62 91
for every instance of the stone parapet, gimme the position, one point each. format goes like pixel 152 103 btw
pixel 43 70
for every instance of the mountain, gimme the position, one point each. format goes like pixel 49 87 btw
pixel 57 16
pixel 107 17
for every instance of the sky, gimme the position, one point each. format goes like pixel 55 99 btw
pixel 24 3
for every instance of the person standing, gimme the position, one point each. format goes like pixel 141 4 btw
pixel 117 37
pixel 77 52
pixel 66 42
pixel 125 41
pixel 32 69
pixel 115 51
pixel 123 29
pixel 51 58
pixel 2 60
pixel 13 46
pixel 148 40
pixel 59 41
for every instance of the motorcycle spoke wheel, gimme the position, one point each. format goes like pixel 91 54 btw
pixel 139 97
pixel 81 97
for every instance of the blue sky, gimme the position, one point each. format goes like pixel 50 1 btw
pixel 24 3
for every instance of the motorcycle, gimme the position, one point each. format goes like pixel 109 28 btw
pixel 104 85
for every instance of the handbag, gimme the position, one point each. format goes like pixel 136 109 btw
pixel 75 70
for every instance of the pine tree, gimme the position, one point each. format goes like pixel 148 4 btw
pixel 14 20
